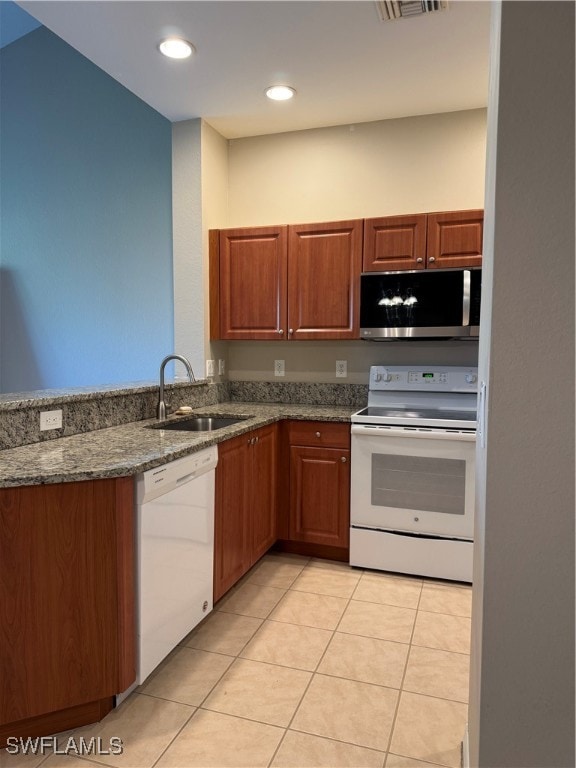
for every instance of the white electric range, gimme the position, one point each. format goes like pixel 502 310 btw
pixel 412 472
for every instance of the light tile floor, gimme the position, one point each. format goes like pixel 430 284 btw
pixel 305 664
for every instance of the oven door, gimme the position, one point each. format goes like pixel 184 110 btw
pixel 418 481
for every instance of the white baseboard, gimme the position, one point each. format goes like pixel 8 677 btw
pixel 124 695
pixel 466 750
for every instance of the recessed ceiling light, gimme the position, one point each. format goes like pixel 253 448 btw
pixel 279 92
pixel 176 48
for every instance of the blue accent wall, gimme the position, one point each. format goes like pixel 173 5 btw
pixel 85 223
pixel 14 22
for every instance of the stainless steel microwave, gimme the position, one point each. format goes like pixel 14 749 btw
pixel 420 304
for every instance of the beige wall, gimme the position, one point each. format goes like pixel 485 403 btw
pixel 316 361
pixel 187 246
pixel 434 162
pixel 214 175
pixel 522 677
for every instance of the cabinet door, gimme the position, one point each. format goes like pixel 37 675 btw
pixel 67 633
pixel 324 264
pixel 454 239
pixel 252 279
pixel 394 242
pixel 231 521
pixel 263 486
pixel 320 495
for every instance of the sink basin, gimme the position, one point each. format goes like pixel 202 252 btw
pixel 199 423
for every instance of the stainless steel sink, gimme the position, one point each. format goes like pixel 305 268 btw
pixel 199 423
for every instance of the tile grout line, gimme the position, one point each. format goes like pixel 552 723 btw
pixel 394 719
pixel 314 671
pixel 167 747
pixel 236 657
pixel 200 706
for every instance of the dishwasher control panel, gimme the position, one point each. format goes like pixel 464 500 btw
pixel 161 479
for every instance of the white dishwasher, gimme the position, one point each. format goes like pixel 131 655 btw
pixel 175 553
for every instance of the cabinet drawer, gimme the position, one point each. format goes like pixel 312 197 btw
pixel 328 433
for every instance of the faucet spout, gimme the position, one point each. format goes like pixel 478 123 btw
pixel 161 408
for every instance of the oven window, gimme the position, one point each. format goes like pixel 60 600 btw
pixel 419 482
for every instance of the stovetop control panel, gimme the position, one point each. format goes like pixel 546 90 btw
pixel 423 379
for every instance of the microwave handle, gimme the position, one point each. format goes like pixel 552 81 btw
pixel 466 298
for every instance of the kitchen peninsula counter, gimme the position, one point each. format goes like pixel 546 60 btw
pixel 132 448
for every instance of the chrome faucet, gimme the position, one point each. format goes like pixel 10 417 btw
pixel 161 409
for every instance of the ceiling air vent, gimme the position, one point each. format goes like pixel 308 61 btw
pixel 390 10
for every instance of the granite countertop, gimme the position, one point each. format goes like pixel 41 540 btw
pixel 134 447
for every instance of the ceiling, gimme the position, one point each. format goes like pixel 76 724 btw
pixel 346 65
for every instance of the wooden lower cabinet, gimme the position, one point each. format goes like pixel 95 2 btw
pixel 319 495
pixel 264 486
pixel 245 505
pixel 286 485
pixel 319 483
pixel 231 514
pixel 67 601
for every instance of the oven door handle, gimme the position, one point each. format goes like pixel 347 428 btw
pixel 419 433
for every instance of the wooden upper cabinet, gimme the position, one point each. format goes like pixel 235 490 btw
pixel 252 271
pixel 454 239
pixel 394 242
pixel 324 265
pixel 302 281
pixel 423 241
pixel 296 282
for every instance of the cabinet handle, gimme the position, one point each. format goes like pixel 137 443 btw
pixel 432 259
pixel 257 438
pixel 280 332
pixel 419 260
pixel 290 331
pixel 317 434
pixel 343 459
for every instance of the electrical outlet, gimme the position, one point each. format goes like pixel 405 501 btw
pixel 209 368
pixel 278 367
pixel 341 369
pixel 221 367
pixel 50 420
